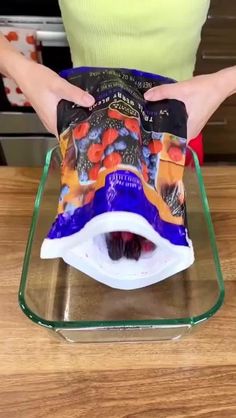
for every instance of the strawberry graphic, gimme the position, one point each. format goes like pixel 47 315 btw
pixel 132 124
pixel 109 136
pixel 95 153
pixel 155 147
pixel 81 130
pixel 145 172
pixel 175 153
pixel 89 197
pixel 93 172
pixel 112 160
pixel 115 114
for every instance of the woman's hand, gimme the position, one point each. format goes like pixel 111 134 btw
pixel 202 95
pixel 44 89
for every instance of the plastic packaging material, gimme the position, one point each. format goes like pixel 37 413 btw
pixel 121 213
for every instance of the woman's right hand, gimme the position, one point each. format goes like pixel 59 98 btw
pixel 43 88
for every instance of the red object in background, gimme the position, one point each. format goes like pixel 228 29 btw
pixel 30 39
pixel 197 145
pixel 12 36
pixel 7 90
pixel 18 90
pixel 25 41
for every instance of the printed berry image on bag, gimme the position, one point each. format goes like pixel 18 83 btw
pixel 121 214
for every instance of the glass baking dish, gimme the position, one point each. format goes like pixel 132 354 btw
pixel 79 309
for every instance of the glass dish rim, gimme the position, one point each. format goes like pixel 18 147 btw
pixel 149 323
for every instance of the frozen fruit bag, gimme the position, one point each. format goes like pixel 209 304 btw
pixel 121 211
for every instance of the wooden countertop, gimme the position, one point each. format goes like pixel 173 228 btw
pixel 43 377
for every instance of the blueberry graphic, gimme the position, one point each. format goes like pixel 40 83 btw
pixel 152 168
pixel 83 144
pixel 123 132
pixel 83 176
pixel 146 152
pixel 139 165
pixel 70 208
pixel 109 150
pixel 147 162
pixel 94 134
pixel 182 141
pixel 153 159
pixel 65 189
pixel 152 174
pixel 156 135
pixel 134 135
pixel 120 145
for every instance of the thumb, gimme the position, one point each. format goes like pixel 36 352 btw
pixel 166 91
pixel 74 94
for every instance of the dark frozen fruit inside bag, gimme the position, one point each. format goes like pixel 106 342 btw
pixel 126 244
pixel 132 249
pixel 115 246
pixel 147 246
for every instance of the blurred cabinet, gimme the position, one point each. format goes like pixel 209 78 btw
pixel 217 51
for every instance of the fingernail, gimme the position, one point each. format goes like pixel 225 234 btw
pixel 88 99
pixel 148 95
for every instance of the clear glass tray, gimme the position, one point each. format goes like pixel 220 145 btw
pixel 60 298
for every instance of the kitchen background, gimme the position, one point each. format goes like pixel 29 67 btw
pixel 23 139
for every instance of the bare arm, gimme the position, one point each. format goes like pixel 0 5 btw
pixel 10 59
pixel 227 80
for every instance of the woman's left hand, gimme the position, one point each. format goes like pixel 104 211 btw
pixel 202 95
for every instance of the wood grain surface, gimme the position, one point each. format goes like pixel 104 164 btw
pixel 43 377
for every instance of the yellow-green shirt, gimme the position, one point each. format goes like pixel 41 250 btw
pixel 160 36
